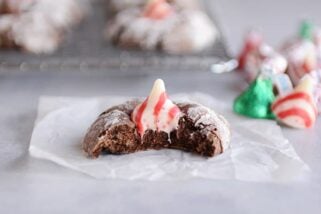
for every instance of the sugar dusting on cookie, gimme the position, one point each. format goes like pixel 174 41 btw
pixel 207 118
pixel 157 112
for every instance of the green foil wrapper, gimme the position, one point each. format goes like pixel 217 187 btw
pixel 306 30
pixel 256 100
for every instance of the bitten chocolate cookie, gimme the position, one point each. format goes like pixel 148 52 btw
pixel 157 123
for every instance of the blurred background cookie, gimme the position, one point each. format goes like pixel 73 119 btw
pixel 172 26
pixel 37 26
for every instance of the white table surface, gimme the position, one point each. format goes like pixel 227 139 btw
pixel 29 185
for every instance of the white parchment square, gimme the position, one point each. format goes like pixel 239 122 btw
pixel 258 152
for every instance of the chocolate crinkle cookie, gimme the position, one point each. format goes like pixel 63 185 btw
pixel 139 125
pixel 38 26
pixel 173 26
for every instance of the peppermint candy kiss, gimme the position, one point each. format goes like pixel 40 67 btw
pixel 297 109
pixel 157 9
pixel 157 112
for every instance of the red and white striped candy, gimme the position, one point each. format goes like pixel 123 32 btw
pixel 157 112
pixel 252 43
pixel 250 58
pixel 297 109
pixel 316 76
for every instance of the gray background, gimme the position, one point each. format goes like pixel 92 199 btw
pixel 28 185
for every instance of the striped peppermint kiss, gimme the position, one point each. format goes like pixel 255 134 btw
pixel 297 109
pixel 157 112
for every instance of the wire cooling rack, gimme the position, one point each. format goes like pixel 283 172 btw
pixel 85 50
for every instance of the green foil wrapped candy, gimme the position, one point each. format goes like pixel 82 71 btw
pixel 256 100
pixel 306 30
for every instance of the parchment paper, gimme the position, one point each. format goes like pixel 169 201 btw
pixel 258 152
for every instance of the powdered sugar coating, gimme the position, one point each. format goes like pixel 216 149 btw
pixel 206 118
pixel 6 22
pixel 116 117
pixel 194 33
pixel 61 13
pixel 34 33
